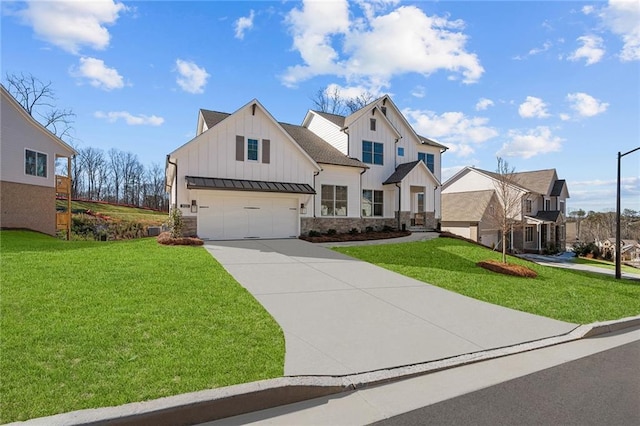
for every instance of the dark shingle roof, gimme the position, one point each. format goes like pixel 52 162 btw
pixel 557 188
pixel 196 182
pixel 548 215
pixel 336 119
pixel 211 118
pixel 538 181
pixel 319 149
pixel 401 171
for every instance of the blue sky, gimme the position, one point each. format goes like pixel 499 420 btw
pixel 542 84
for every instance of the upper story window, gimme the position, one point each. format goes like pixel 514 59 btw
pixel 384 110
pixel 372 124
pixel 427 159
pixel 562 207
pixel 527 206
pixel 372 153
pixel 547 205
pixel 400 151
pixel 333 200
pixel 252 149
pixel 35 163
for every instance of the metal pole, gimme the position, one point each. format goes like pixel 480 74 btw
pixel 618 267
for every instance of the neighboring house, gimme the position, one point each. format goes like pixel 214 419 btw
pixel 246 175
pixel 469 201
pixel 28 183
pixel 630 249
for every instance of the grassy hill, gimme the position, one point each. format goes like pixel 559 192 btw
pixel 116 212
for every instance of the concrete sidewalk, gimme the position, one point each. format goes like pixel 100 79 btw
pixel 343 316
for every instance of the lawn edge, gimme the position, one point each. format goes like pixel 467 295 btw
pixel 215 404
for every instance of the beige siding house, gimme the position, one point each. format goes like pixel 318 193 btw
pixel 28 154
pixel 539 224
pixel 246 175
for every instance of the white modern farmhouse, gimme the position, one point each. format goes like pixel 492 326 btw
pixel 28 181
pixel 246 175
pixel 469 202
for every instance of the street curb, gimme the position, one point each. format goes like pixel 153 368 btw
pixel 215 404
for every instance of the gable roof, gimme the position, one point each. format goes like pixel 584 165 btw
pixel 313 145
pixel 336 119
pixel 211 118
pixel 70 151
pixel 538 181
pixel 402 170
pixel 557 187
pixel 465 206
pixel 319 149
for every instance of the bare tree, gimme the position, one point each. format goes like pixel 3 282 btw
pixel 507 212
pixel 155 195
pixel 94 166
pixel 38 99
pixel 329 99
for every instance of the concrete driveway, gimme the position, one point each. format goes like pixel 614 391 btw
pixel 343 316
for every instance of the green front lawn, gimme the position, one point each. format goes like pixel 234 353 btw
pixel 566 295
pixel 90 324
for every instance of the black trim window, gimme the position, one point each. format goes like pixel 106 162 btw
pixel 372 153
pixel 527 206
pixel 35 163
pixel 372 202
pixel 333 200
pixel 252 149
pixel 427 159
pixel 528 234
pixel 372 124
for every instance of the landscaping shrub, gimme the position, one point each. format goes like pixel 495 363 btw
pixel 332 232
pixel 369 229
pixel 313 233
pixel 387 228
pixel 354 231
pixel 176 223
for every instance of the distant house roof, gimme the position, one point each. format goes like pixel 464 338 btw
pixel 316 147
pixel 336 119
pixel 401 171
pixel 465 206
pixel 538 181
pixel 196 182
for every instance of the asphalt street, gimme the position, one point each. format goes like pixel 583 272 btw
pixel 601 389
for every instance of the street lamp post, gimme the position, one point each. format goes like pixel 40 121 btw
pixel 618 245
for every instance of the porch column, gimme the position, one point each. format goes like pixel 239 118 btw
pixel 539 236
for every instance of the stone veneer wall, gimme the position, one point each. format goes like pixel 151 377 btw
pixel 28 206
pixel 346 224
pixel 189 226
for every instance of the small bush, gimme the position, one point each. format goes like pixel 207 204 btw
pixel 354 231
pixel 313 233
pixel 331 232
pixel 166 239
pixel 387 228
pixel 369 229
pixel 176 223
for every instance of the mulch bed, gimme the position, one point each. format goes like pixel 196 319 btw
pixel 507 268
pixel 363 236
pixel 165 238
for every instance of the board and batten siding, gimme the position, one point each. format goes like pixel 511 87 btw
pixel 213 153
pixel 341 176
pixel 329 132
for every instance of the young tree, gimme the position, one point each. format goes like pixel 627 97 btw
pixel 506 213
pixel 38 99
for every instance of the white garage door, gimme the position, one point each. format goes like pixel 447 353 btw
pixel 240 217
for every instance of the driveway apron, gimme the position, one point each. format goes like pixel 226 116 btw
pixel 344 316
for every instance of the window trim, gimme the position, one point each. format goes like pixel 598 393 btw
pixel 257 141
pixel 374 203
pixel 373 153
pixel 38 154
pixel 372 124
pixel 425 160
pixel 528 230
pixel 334 200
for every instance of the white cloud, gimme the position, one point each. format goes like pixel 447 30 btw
pixel 533 107
pixel 546 46
pixel 586 105
pixel 72 24
pixel 592 49
pixel 531 143
pixel 192 78
pixel 130 119
pixel 454 129
pixel 373 49
pixel 588 10
pixel 419 92
pixel 243 24
pixel 483 104
pixel 98 74
pixel 622 17
pixel 565 117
